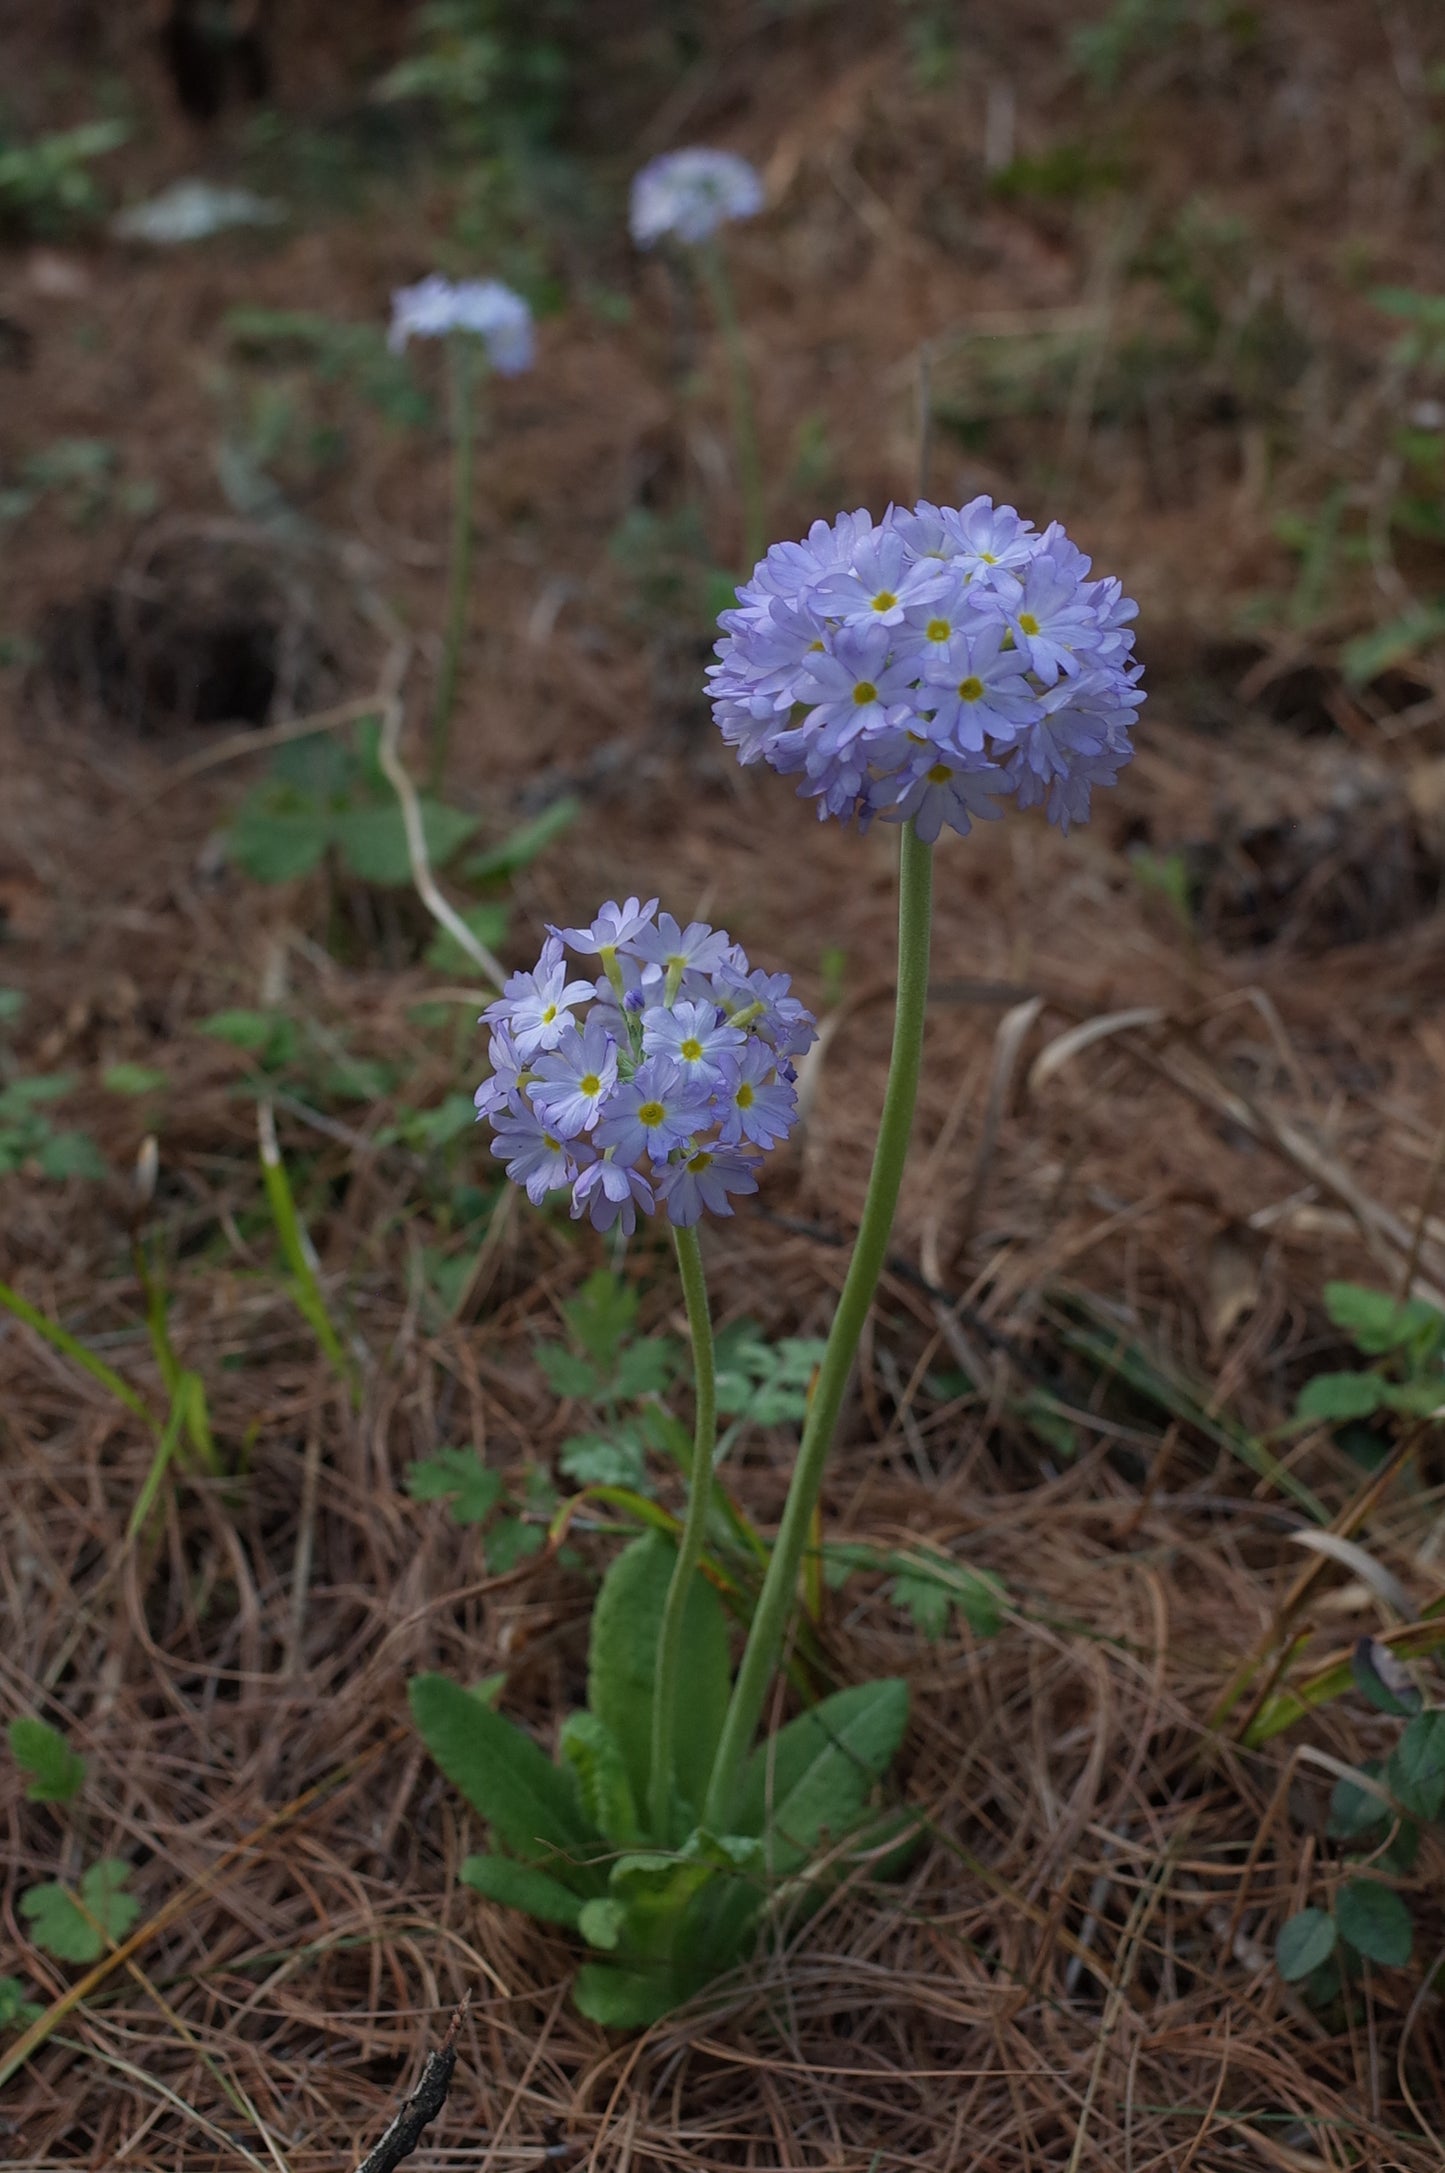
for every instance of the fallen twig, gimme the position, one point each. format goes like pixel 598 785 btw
pixel 425 2102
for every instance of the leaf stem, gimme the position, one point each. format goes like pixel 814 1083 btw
pixel 690 1542
pixel 460 358
pixel 745 434
pixel 775 1601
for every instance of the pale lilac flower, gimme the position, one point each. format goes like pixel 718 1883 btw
pixel 704 1180
pixel 495 314
pixel 570 1087
pixel 854 687
pixel 761 1106
pixel 653 1112
pixel 611 1192
pixel 697 1037
pixel 535 1005
pixel 978 690
pixel 687 195
pixel 670 949
pixel 881 584
pixel 615 924
pixel 534 1157
pixel 937 788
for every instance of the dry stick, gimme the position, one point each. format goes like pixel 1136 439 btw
pixel 424 882
pixel 425 2102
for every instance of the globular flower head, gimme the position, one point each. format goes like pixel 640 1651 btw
pixel 661 1084
pixel 687 195
pixel 494 314
pixel 927 666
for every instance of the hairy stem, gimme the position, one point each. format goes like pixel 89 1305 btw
pixel 689 1547
pixel 775 1602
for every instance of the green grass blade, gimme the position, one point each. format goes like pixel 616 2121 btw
pixel 300 1256
pixel 59 1339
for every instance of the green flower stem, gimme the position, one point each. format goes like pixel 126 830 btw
pixel 745 435
pixel 461 357
pixel 689 1548
pixel 780 1584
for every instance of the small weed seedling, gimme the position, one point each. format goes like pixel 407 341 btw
pixel 1406 1338
pixel 73 1921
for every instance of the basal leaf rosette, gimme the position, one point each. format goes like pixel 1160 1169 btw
pixel 930 666
pixel 658 1085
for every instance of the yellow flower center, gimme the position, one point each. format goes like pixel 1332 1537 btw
pixel 690 1050
pixel 970 689
pixel 745 1097
pixel 591 1084
pixel 549 1014
pixel 812 645
pixel 988 558
pixel 939 774
pixel 699 1161
pixel 864 693
pixel 651 1113
pixel 1028 622
pixel 884 600
pixel 939 629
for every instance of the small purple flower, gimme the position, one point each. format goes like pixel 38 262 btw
pixel 701 1181
pixel 881 584
pixel 938 788
pixel 854 687
pixel 697 1037
pixel 570 1086
pixel 534 1157
pixel 669 949
pixel 493 313
pixel 535 1005
pixel 653 1112
pixel 506 1087
pixel 759 1106
pixel 687 195
pixel 978 690
pixel 615 925
pixel 611 1192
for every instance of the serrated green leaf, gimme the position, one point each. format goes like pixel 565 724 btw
pixel 1377 1322
pixel 602 1783
pixel 645 1368
pixel 601 1316
pixel 510 1541
pixel 457 1476
pixel 1375 1922
pixel 57 1773
pixel 529 1803
pixel 816 1775
pixel 566 1373
pixel 1332 1396
pixel 618 1459
pixel 1416 1770
pixel 277 844
pixel 522 1886
pixel 622 1665
pixel 78 1931
pixel 1304 1943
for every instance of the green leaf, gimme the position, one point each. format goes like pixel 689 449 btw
pixel 71 1154
pixel 816 1775
pixel 602 1460
pixel 23 1095
pixel 1416 1771
pixel 602 1923
pixel 1304 1943
pixel 488 923
pixel 12 1003
pixel 372 840
pixel 277 844
pixel 510 1541
pixel 57 1773
pixel 1333 1396
pixel 457 1476
pixel 260 1033
pixel 602 1783
pixel 133 1079
pixel 622 1665
pixel 522 1886
pixel 1376 1322
pixel 565 1373
pixel 79 1931
pixel 1355 1810
pixel 925 1602
pixel 622 1999
pixel 521 847
pixel 1375 1922
pixel 529 1803
pixel 601 1316
pixel 16 2011
pixel 645 1368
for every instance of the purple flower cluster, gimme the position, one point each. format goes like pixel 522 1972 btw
pixel 928 665
pixel 687 195
pixel 494 314
pixel 660 1083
